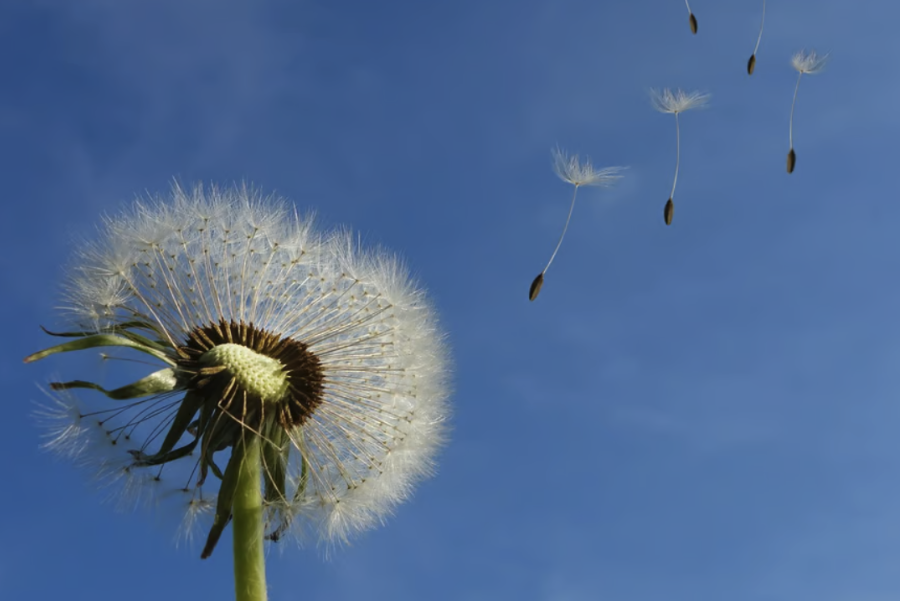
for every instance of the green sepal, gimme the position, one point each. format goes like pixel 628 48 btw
pixel 101 340
pixel 214 467
pixel 276 534
pixel 142 460
pixel 158 382
pixel 118 328
pixel 191 403
pixel 123 329
pixel 226 498
pixel 275 453
pixel 216 437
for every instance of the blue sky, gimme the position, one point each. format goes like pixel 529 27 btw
pixel 705 411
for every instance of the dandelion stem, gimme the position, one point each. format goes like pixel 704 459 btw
pixel 565 228
pixel 793 103
pixel 677 155
pixel 247 524
pixel 763 22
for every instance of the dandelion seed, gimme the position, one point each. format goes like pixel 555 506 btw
pixel 669 211
pixel 536 287
pixel 571 170
pixel 667 101
pixel 804 63
pixel 280 349
pixel 692 20
pixel 751 64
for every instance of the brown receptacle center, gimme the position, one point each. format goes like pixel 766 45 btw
pixel 302 369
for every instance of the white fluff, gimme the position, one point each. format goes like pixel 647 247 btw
pixel 203 255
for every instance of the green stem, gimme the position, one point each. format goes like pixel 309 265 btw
pixel 247 525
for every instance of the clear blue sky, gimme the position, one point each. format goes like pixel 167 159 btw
pixel 707 411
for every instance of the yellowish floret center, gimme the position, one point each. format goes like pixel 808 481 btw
pixel 257 374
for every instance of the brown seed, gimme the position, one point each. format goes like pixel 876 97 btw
pixel 693 23
pixel 668 211
pixel 792 159
pixel 536 287
pixel 751 64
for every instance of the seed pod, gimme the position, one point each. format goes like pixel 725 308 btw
pixel 536 287
pixel 791 160
pixel 668 211
pixel 693 20
pixel 751 64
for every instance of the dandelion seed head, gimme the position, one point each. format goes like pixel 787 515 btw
pixel 570 169
pixel 327 351
pixel 809 62
pixel 667 101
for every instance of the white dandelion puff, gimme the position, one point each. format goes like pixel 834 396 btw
pixel 573 171
pixel 317 361
pixel 667 101
pixel 679 101
pixel 809 63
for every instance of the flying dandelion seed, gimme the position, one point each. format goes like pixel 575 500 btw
pixel 290 360
pixel 571 170
pixel 692 20
pixel 751 64
pixel 667 101
pixel 804 63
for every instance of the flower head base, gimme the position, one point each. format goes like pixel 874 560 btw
pixel 667 101
pixel 809 63
pixel 571 170
pixel 328 356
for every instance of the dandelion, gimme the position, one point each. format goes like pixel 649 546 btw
pixel 751 64
pixel 804 63
pixel 692 20
pixel 667 101
pixel 571 170
pixel 302 382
